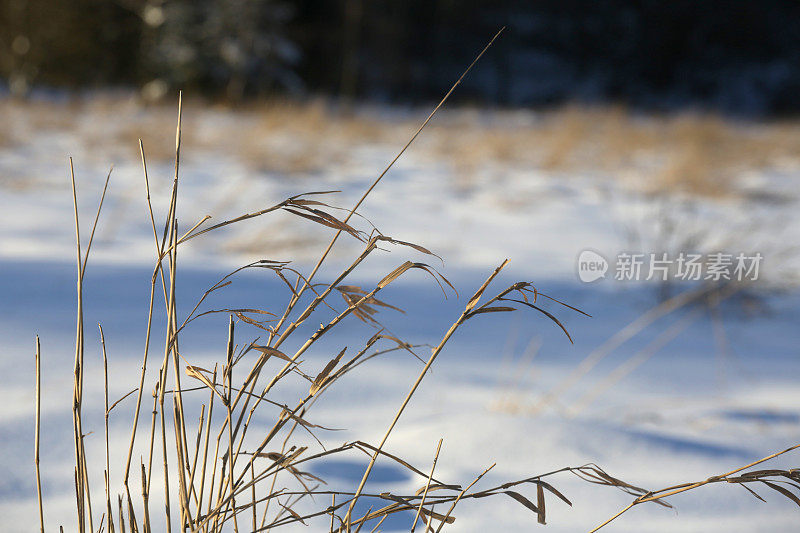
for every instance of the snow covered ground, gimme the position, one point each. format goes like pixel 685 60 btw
pixel 722 393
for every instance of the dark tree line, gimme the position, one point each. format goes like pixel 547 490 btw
pixel 741 56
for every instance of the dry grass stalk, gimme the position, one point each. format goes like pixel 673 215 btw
pixel 81 478
pixel 105 432
pixel 427 488
pixel 36 434
pixel 777 480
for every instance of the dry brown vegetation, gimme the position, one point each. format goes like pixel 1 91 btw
pixel 243 469
pixel 224 475
pixel 690 152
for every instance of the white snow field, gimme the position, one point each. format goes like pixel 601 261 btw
pixel 698 392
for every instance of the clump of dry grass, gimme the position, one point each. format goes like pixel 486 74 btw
pixel 210 491
pixel 692 153
pixel 224 475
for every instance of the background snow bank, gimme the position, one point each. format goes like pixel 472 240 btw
pixel 711 400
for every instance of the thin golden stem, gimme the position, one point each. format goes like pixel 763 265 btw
pixel 105 426
pixel 427 487
pixel 36 435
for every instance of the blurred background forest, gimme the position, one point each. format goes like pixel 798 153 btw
pixel 741 57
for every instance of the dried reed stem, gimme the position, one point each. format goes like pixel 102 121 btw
pixel 145 502
pixel 137 409
pixel 427 487
pixel 105 427
pixel 36 434
pixel 78 369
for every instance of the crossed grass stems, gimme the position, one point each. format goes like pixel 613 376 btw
pixel 225 488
